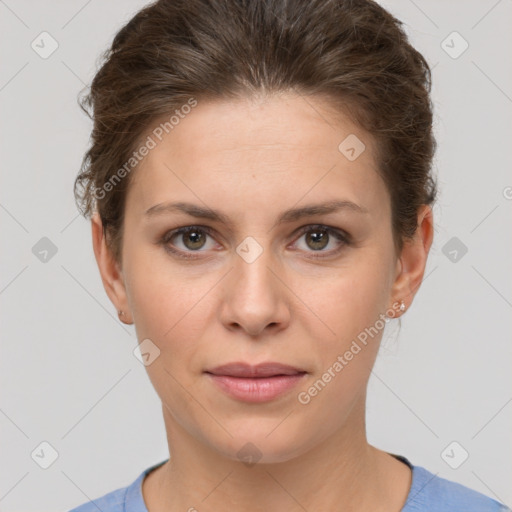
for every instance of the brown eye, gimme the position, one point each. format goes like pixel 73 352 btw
pixel 317 239
pixel 186 241
pixel 196 238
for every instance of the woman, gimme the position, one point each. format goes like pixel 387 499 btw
pixel 260 189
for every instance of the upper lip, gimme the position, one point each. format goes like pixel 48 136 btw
pixel 267 369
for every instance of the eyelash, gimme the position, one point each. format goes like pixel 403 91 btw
pixel 343 238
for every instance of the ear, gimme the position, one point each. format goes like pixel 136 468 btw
pixel 413 260
pixel 111 273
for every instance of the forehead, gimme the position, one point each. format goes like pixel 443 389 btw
pixel 281 148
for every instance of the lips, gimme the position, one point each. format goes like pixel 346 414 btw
pixel 262 370
pixel 256 384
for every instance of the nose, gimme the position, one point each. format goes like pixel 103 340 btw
pixel 255 299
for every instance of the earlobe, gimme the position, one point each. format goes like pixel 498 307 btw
pixel 110 272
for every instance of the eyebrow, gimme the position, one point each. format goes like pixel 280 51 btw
pixel 287 216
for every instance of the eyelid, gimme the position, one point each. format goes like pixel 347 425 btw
pixel 325 227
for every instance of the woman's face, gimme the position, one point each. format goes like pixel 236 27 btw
pixel 250 286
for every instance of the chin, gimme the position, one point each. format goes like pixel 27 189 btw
pixel 260 442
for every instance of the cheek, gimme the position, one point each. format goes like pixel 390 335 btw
pixel 351 302
pixel 351 308
pixel 168 310
pixel 159 294
pixel 172 309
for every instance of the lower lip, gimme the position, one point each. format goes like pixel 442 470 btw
pixel 261 389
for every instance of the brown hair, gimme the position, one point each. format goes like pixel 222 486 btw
pixel 353 51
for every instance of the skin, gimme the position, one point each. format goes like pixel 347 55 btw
pixel 251 159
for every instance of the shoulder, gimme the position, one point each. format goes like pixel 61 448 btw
pixel 431 492
pixel 123 499
pixel 113 501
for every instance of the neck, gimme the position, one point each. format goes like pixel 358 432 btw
pixel 351 474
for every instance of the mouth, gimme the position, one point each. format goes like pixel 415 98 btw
pixel 260 383
pixel 269 369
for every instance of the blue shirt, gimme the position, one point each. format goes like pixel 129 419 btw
pixel 428 493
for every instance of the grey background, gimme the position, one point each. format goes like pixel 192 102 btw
pixel 68 374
